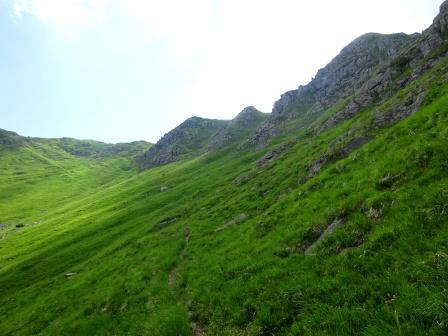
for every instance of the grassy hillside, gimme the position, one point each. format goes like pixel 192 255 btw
pixel 228 244
pixel 39 175
pixel 337 226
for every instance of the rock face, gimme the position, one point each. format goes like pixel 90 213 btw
pixel 437 34
pixel 412 61
pixel 343 76
pixel 370 69
pixel 354 65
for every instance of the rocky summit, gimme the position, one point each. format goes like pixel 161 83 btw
pixel 327 216
pixel 197 136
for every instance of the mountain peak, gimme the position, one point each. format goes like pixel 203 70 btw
pixel 248 115
pixel 248 109
pixel 191 137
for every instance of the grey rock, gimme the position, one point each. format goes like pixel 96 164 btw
pixel 190 137
pixel 418 56
pixel 337 153
pixel 435 35
pixel 235 221
pixel 275 152
pixel 239 129
pixel 317 165
pixel 241 179
pixel 329 230
pixel 411 105
pixel 341 78
pixel 168 220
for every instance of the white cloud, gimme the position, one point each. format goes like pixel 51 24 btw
pixel 66 15
pixel 184 24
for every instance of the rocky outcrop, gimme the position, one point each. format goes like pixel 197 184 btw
pixel 411 62
pixel 190 137
pixel 399 112
pixel 341 78
pixel 248 117
pixel 336 153
pixel 197 135
pixel 277 151
pixel 239 128
pixel 436 35
pixel 354 65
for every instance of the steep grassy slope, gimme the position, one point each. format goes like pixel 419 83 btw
pixel 336 228
pixel 235 255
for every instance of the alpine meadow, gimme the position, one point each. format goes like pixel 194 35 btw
pixel 327 216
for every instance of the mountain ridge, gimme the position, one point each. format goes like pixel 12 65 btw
pixel 341 77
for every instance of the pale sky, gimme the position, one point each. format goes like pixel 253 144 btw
pixel 124 70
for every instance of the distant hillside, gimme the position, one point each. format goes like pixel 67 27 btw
pixel 11 138
pixel 79 148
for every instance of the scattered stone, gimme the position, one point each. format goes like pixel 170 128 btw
pixel 167 221
pixel 337 154
pixel 187 234
pixel 333 226
pixel 275 152
pixel 235 221
pixel 197 329
pixel 388 181
pixel 284 192
pixel 374 214
pixel 317 165
pixel 241 179
pixel 163 188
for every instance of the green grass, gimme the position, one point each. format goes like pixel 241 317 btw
pixel 152 262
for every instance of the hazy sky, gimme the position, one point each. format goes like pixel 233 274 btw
pixel 123 70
